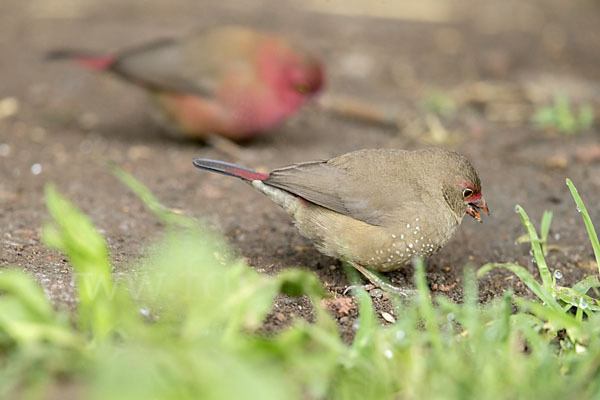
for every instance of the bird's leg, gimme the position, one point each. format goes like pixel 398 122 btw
pixel 354 108
pixel 381 282
pixel 226 146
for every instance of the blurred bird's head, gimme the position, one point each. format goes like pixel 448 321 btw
pixel 295 74
pixel 305 75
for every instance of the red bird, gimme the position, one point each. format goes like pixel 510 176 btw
pixel 230 81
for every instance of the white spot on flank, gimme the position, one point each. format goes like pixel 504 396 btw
pixel 408 226
pixel 415 232
pixel 421 237
pixel 417 219
pixel 397 251
pixel 401 236
pixel 393 236
pixel 410 245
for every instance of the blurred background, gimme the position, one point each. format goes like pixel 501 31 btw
pixel 513 85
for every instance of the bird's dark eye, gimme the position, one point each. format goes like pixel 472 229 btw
pixel 301 88
pixel 467 193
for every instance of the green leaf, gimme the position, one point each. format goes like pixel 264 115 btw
pixel 556 317
pixel 527 279
pixel 544 117
pixel 585 118
pixel 545 227
pixel 577 299
pixel 296 282
pixel 27 316
pixel 164 214
pixel 536 247
pixel 28 293
pixel 367 320
pixel 426 309
pixel 72 233
pixel 586 284
pixel 586 220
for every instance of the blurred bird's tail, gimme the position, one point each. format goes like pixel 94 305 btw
pixel 83 58
pixel 228 169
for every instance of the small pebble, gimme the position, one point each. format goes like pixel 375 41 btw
pixel 36 169
pixel 557 161
pixel 280 316
pixel 8 106
pixel 388 317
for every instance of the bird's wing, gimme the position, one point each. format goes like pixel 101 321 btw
pixel 313 181
pixel 195 64
pixel 360 185
pixel 158 66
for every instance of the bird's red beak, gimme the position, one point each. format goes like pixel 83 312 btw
pixel 474 207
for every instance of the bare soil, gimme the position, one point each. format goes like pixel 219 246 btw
pixel 499 61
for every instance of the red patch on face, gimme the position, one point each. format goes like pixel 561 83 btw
pixel 476 196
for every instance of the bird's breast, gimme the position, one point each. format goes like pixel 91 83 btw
pixel 383 248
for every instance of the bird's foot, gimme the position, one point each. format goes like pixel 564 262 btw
pixel 350 288
pixel 357 109
pixel 226 146
pixel 379 282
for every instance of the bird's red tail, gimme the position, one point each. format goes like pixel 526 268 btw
pixel 228 169
pixel 85 59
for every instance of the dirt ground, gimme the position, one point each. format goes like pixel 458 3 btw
pixel 499 61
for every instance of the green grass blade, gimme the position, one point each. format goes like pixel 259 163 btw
pixel 426 310
pixel 29 293
pixel 367 322
pixel 557 317
pixel 545 229
pixel 586 284
pixel 536 247
pixel 576 299
pixel 73 233
pixel 587 221
pixel 470 307
pixel 527 279
pixel 163 213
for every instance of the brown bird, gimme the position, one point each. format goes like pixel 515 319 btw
pixel 231 80
pixel 376 209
